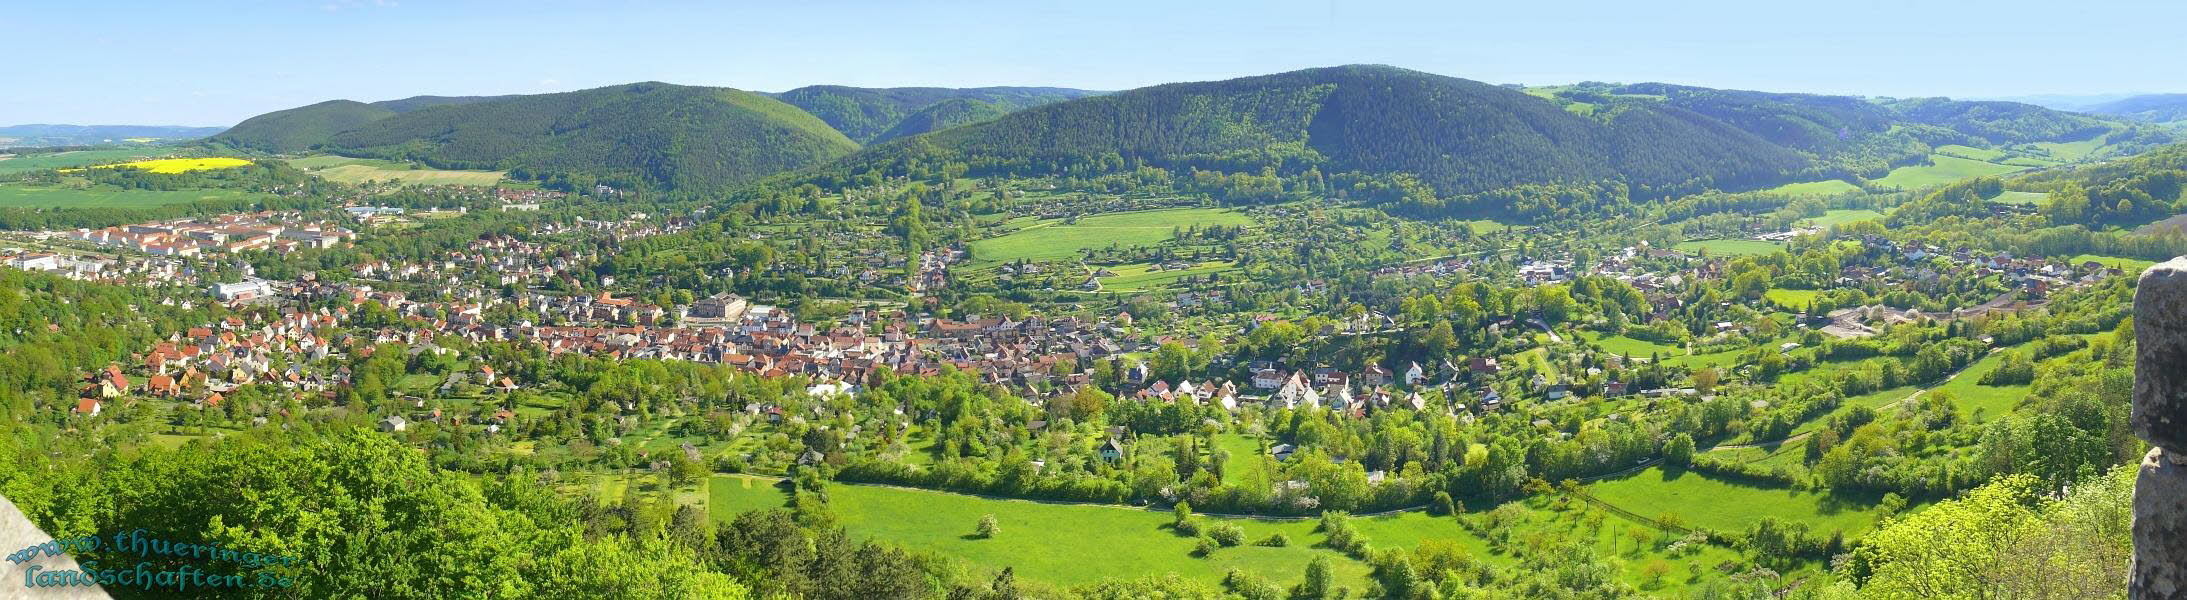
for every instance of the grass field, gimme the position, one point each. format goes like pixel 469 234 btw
pixel 1830 187
pixel 1132 278
pixel 1060 544
pixel 1833 218
pixel 1730 247
pixel 1989 401
pixel 1792 299
pixel 1055 240
pixel 2130 265
pixel 2012 197
pixel 1970 152
pixel 62 160
pixel 359 170
pixel 1723 505
pixel 31 196
pixel 1946 169
pixel 1636 348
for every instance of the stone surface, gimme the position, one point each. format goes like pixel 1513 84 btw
pixel 2160 528
pixel 16 533
pixel 2160 376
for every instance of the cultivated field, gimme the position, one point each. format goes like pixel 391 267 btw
pixel 79 158
pixel 344 169
pixel 1133 278
pixel 1055 240
pixel 172 166
pixel 17 195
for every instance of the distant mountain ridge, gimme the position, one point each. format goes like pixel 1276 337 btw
pixel 2152 108
pixel 34 135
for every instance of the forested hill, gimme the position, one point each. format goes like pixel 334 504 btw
pixel 1465 137
pixel 301 128
pixel 2153 108
pixel 875 114
pixel 672 135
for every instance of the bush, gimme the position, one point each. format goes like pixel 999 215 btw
pixel 1227 535
pixel 988 528
pixel 1205 548
pixel 1278 540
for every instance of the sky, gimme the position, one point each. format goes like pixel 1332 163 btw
pixel 213 63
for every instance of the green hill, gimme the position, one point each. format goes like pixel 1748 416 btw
pixel 301 128
pixel 1465 137
pixel 874 114
pixel 674 135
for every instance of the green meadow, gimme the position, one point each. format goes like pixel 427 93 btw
pixel 1791 299
pixel 1729 506
pixel 1830 187
pixel 1946 169
pixel 1133 278
pixel 2012 197
pixel 1061 544
pixel 1832 218
pixel 64 196
pixel 1729 248
pixel 1054 239
pixel 2130 265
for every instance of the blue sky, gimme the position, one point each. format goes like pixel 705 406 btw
pixel 214 63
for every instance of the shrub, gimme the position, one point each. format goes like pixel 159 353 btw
pixel 1227 535
pixel 988 528
pixel 1278 540
pixel 1205 548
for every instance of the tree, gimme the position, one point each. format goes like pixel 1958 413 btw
pixel 683 471
pixel 988 528
pixel 1318 579
pixel 1679 451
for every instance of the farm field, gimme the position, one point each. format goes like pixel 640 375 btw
pixel 1055 240
pixel 1722 247
pixel 78 158
pixel 2012 197
pixel 1049 542
pixel 170 166
pixel 1833 218
pixel 31 196
pixel 1946 169
pixel 344 169
pixel 1725 505
pixel 1829 187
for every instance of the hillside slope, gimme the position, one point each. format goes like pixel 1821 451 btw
pixel 679 136
pixel 869 115
pixel 2153 108
pixel 301 128
pixel 1467 137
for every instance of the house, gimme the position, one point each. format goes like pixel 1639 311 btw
pixel 1485 365
pixel 394 423
pixel 1111 450
pixel 88 406
pixel 1414 374
pixel 1282 452
pixel 1267 379
pixel 244 290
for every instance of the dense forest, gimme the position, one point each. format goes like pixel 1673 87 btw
pixel 870 115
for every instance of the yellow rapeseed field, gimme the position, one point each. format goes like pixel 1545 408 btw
pixel 176 165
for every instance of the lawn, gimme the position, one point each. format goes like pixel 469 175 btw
pixel 1636 348
pixel 95 196
pixel 2130 265
pixel 1722 247
pixel 1062 544
pixel 1792 299
pixel 78 158
pixel 1830 187
pixel 1946 169
pixel 1990 401
pixel 1245 465
pixel 1055 240
pixel 1729 506
pixel 359 170
pixel 1832 218
pixel 1132 278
